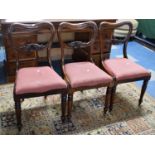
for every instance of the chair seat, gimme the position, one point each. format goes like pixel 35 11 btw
pixel 124 69
pixel 85 74
pixel 38 80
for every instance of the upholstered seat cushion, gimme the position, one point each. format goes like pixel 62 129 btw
pixel 38 80
pixel 83 74
pixel 122 69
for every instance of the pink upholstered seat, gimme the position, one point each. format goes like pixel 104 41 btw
pixel 38 80
pixel 83 74
pixel 123 69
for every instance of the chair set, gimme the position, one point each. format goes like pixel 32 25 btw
pixel 77 76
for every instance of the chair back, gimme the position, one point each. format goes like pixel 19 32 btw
pixel 78 45
pixel 107 38
pixel 24 40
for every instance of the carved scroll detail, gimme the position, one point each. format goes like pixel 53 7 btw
pixel 32 47
pixel 77 44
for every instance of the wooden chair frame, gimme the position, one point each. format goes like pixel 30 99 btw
pixel 18 29
pixel 85 26
pixel 105 54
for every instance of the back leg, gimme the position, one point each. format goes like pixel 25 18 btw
pixel 107 99
pixel 18 113
pixel 112 98
pixel 63 106
pixel 70 104
pixel 144 86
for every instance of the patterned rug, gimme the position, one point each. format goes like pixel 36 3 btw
pixel 41 116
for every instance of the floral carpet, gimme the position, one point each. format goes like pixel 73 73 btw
pixel 42 117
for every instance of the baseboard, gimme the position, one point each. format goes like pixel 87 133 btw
pixel 145 42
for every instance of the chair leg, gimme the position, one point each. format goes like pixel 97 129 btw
pixel 112 98
pixel 63 106
pixel 45 97
pixel 107 100
pixel 70 104
pixel 145 82
pixel 18 114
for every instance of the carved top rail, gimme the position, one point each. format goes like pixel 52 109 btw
pixel 18 29
pixel 106 31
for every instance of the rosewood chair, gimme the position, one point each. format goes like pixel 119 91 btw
pixel 82 75
pixel 34 81
pixel 122 69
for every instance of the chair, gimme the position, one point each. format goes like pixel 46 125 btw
pixel 82 75
pixel 122 70
pixel 34 81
